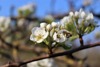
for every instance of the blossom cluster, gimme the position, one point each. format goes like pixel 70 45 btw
pixel 49 33
pixel 60 32
pixel 79 22
pixel 30 7
pixel 27 10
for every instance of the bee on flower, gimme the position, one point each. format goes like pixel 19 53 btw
pixel 61 36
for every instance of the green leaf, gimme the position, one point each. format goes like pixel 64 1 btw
pixel 27 13
pixel 89 29
pixel 20 12
pixel 63 45
pixel 72 38
pixel 46 42
pixel 66 47
pixel 71 27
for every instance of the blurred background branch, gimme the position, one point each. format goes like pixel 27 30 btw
pixel 14 42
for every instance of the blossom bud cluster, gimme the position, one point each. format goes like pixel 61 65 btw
pixel 80 17
pixel 81 20
pixel 51 33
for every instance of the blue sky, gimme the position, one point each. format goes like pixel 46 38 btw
pixel 43 6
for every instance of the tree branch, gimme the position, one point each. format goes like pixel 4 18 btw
pixel 8 44
pixel 53 55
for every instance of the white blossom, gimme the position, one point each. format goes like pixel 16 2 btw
pixel 43 63
pixel 38 34
pixel 71 14
pixel 54 24
pixel 52 32
pixel 59 36
pixel 49 18
pixel 48 27
pixel 4 23
pixel 22 22
pixel 76 14
pixel 65 20
pixel 82 14
pixel 43 25
pixel 80 21
pixel 89 16
pixel 30 7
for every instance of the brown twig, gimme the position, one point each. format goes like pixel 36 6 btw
pixel 81 40
pixel 49 49
pixel 54 55
pixel 8 44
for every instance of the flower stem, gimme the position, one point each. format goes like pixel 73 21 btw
pixel 49 49
pixel 81 40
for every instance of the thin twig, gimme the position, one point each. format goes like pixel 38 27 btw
pixel 8 44
pixel 81 40
pixel 49 49
pixel 53 55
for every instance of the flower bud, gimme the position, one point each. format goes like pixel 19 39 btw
pixel 54 43
pixel 4 23
pixel 54 24
pixel 43 25
pixel 71 14
pixel 21 22
pixel 48 27
pixel 89 17
pixel 76 14
pixel 81 10
pixel 82 14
